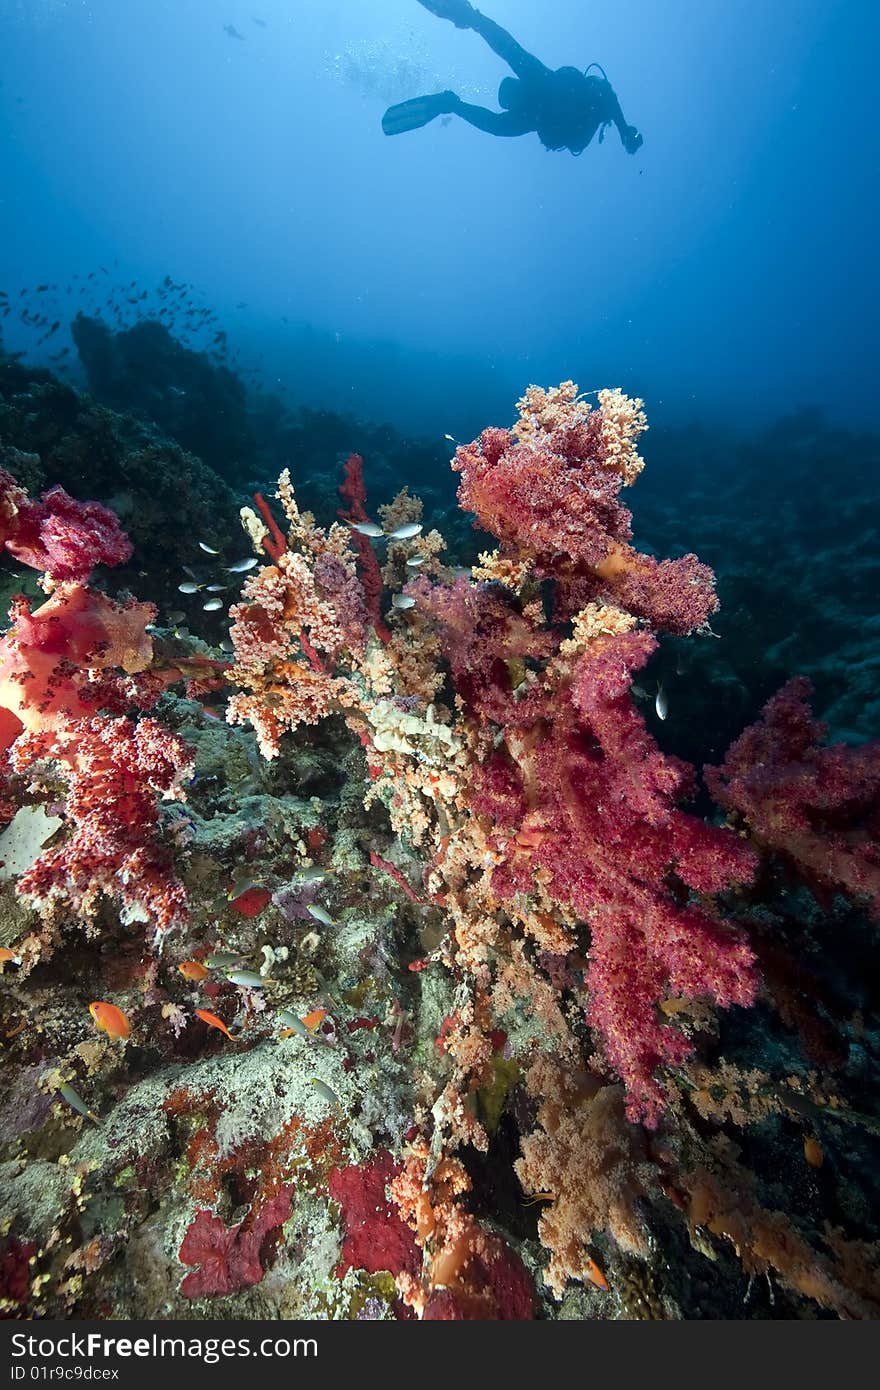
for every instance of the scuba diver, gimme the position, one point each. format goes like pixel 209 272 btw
pixel 565 108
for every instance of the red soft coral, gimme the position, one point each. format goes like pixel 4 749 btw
pixel 496 1287
pixel 62 660
pixel 571 790
pixel 58 665
pixel 376 1238
pixel 354 492
pixel 231 1258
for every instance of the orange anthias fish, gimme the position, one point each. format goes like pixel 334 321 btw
pixel 214 1022
pixel 594 1274
pixel 110 1020
pixel 194 970
pixel 5 957
pixel 315 1018
pixel 813 1152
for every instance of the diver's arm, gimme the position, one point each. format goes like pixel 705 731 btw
pixel 493 122
pixel 629 136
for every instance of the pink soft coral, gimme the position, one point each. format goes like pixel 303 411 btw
pixel 66 669
pixel 818 807
pixel 60 661
pixel 64 538
pixel 580 796
pixel 115 770
pixel 549 491
pixel 572 790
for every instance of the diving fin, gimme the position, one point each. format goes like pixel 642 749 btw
pixel 461 12
pixel 419 111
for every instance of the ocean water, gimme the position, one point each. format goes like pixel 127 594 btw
pixel 216 265
pixel 726 272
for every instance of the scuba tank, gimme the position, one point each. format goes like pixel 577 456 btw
pixel 604 78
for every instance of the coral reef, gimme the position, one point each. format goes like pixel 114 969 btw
pixel 547 803
pixel 51 436
pixel 453 996
pixel 146 371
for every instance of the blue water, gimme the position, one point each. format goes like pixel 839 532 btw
pixel 726 272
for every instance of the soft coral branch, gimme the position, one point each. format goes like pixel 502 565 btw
pixel 817 806
pixel 64 538
pixel 69 672
pixel 114 770
pixel 354 492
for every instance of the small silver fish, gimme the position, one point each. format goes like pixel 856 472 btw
pixel 209 550
pixel 176 615
pixel 217 588
pixel 238 890
pixel 241 566
pixel 189 586
pixel 242 885
pixel 451 437
pixel 661 704
pixel 288 1019
pixel 320 914
pixel 77 1103
pixel 324 1090
pixel 415 560
pixel 248 979
pixel 366 528
pixel 226 645
pixel 403 601
pixel 406 531
pixel 222 960
pixel 311 875
pixel 212 605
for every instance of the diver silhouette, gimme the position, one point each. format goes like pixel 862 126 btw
pixel 564 107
